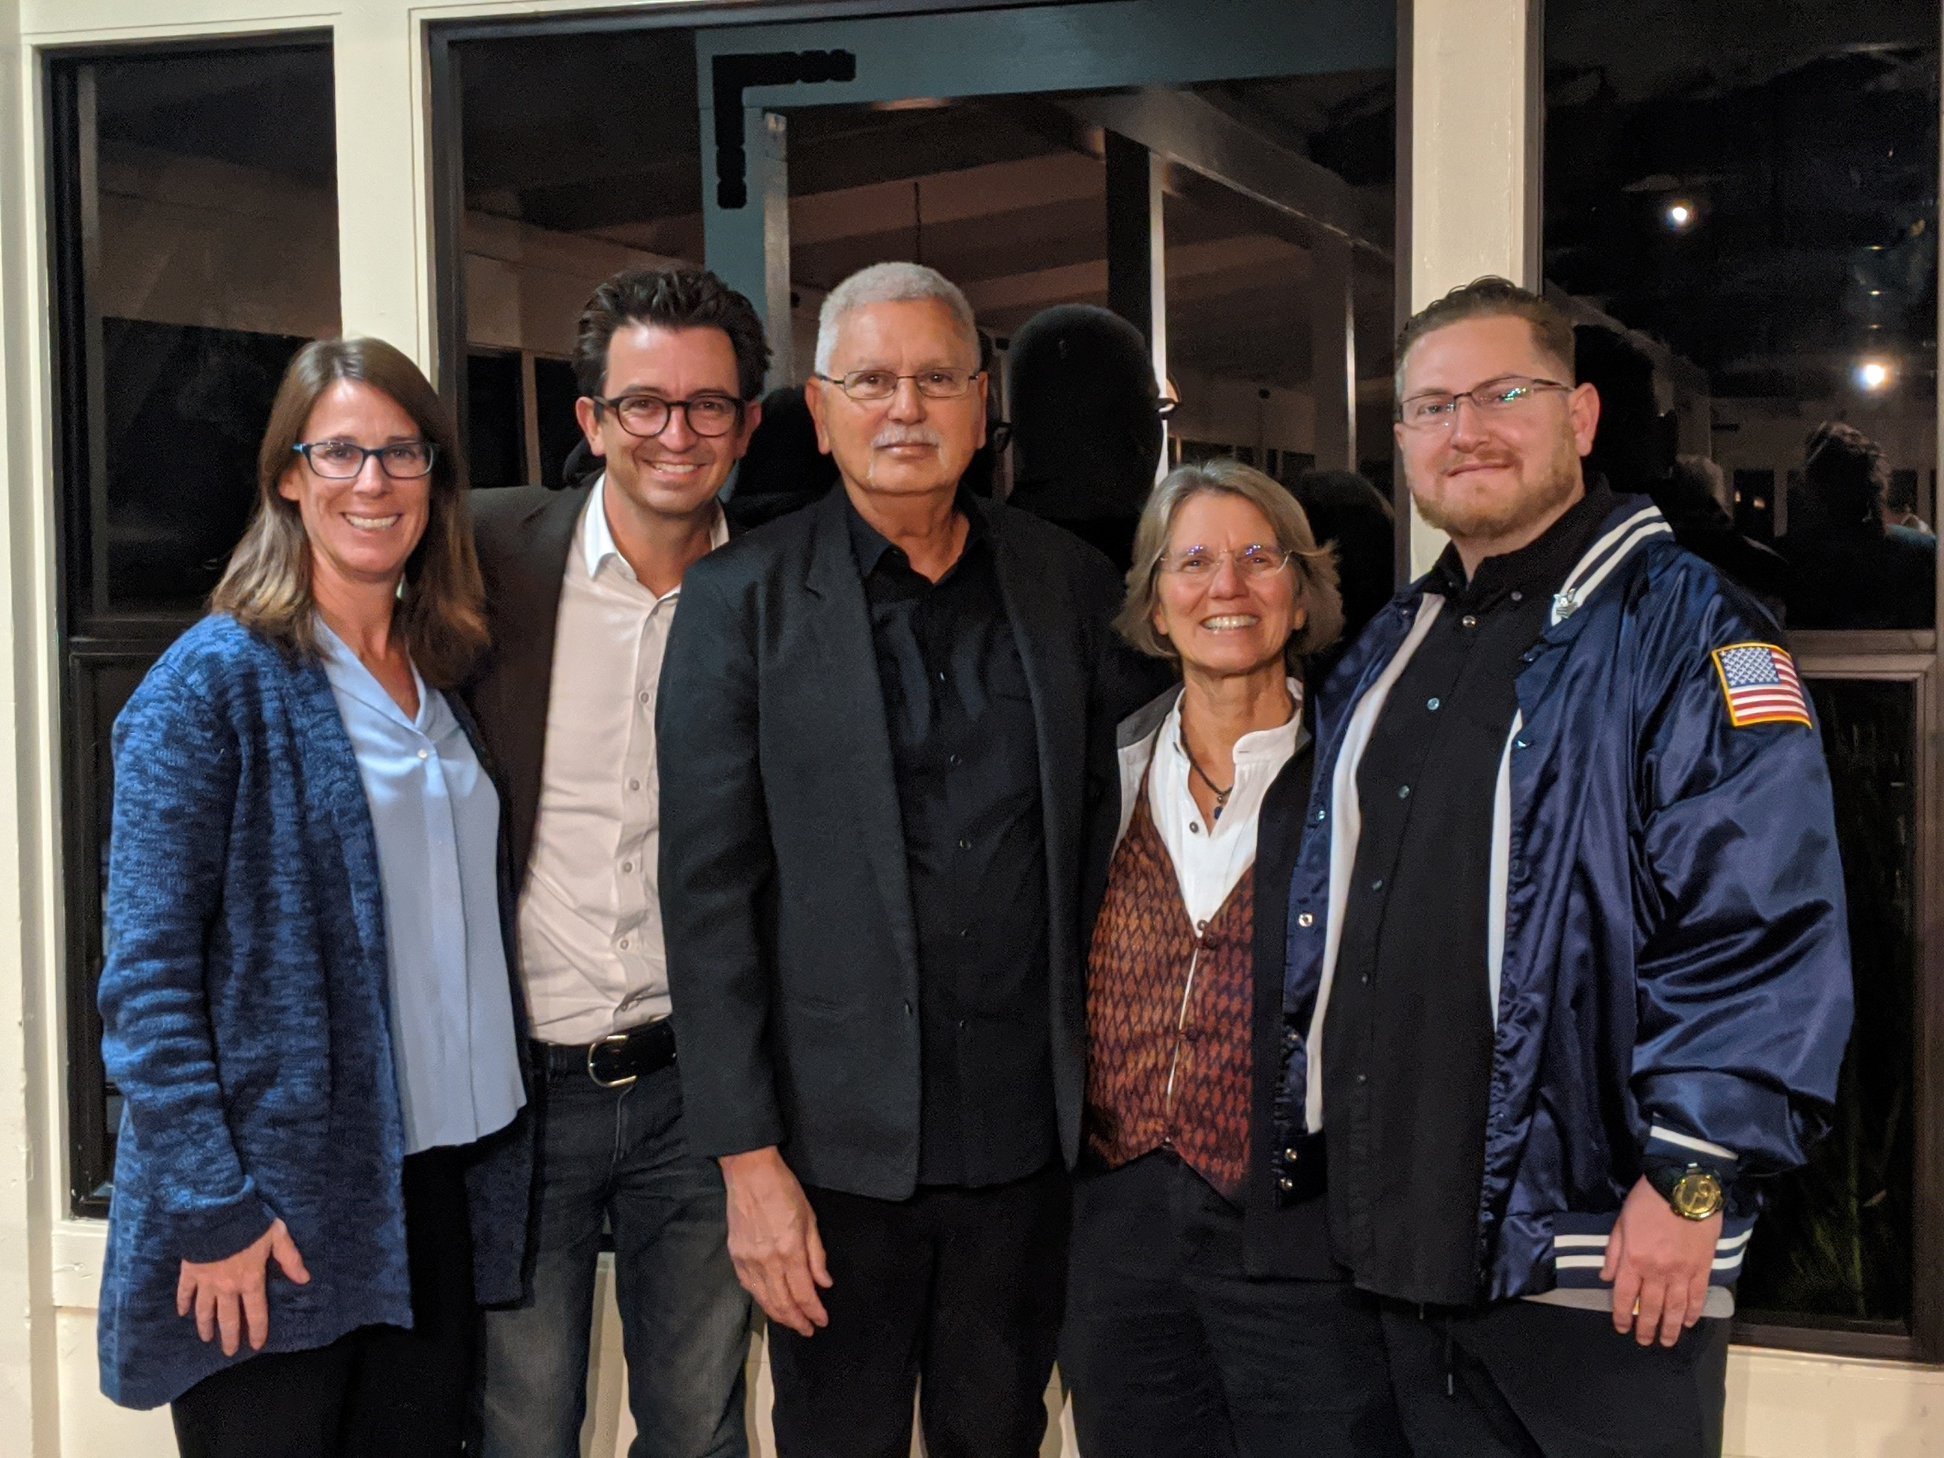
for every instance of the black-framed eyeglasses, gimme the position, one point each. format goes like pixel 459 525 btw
pixel 1504 396
pixel 647 416
pixel 1254 560
pixel 868 385
pixel 341 460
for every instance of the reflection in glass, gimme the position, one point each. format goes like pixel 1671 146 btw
pixel 1748 207
pixel 216 217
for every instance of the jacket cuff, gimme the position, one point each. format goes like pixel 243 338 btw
pixel 1671 1145
pixel 219 1232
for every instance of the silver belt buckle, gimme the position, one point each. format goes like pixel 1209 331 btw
pixel 592 1048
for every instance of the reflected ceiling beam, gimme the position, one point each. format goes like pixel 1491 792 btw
pixel 1192 269
pixel 967 195
pixel 1194 133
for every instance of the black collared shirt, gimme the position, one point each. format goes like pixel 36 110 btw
pixel 966 760
pixel 1407 1066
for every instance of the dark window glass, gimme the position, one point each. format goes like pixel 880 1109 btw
pixel 560 432
pixel 1835 1241
pixel 193 233
pixel 184 410
pixel 495 420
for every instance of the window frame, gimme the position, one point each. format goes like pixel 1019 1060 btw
pixel 89 635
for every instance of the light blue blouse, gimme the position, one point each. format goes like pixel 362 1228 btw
pixel 436 815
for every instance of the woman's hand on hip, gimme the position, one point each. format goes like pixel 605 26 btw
pixel 228 1295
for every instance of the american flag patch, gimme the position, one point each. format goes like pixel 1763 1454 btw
pixel 1761 686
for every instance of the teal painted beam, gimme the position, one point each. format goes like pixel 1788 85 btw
pixel 749 247
pixel 1068 48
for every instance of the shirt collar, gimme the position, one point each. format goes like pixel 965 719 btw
pixel 1276 744
pixel 348 675
pixel 868 544
pixel 597 537
pixel 1537 569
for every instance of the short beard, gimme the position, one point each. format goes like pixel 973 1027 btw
pixel 1491 521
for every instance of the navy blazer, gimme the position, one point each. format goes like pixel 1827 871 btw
pixel 245 1008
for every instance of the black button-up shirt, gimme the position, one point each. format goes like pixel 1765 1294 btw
pixel 966 761
pixel 1408 1067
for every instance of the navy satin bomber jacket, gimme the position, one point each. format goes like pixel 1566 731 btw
pixel 1669 953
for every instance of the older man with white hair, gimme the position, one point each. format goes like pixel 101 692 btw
pixel 884 722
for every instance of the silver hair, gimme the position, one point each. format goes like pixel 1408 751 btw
pixel 890 283
pixel 1316 568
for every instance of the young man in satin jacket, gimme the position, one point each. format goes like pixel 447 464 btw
pixel 1568 966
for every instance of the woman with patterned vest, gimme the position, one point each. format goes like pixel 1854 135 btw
pixel 1205 1316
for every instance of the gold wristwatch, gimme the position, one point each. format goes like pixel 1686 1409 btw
pixel 1694 1193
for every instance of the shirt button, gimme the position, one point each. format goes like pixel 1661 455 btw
pixel 646 697
pixel 907 1007
pixel 1194 827
pixel 1434 704
pixel 1291 1155
pixel 1363 978
pixel 1318 817
pixel 627 865
pixel 1305 919
pixel 1403 792
pixel 634 784
pixel 1469 620
pixel 961 1025
pixel 941 675
pixel 954 760
pixel 1518 597
pixel 965 933
pixel 624 944
pixel 425 754
pixel 1378 884
pixel 1363 1078
pixel 964 844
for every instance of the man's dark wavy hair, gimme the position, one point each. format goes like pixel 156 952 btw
pixel 674 298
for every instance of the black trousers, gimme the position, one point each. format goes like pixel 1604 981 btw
pixel 378 1391
pixel 1173 1351
pixel 953 1293
pixel 1522 1379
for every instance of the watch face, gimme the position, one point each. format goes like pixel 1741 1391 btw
pixel 1697 1195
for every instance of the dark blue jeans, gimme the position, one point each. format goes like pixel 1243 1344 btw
pixel 618 1156
pixel 1171 1350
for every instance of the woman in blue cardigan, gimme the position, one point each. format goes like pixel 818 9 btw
pixel 307 1003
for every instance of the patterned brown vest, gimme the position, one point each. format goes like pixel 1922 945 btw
pixel 1168 1017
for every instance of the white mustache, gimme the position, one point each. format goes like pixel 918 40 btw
pixel 897 435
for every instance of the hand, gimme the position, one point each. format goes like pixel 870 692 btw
pixel 228 1295
pixel 773 1240
pixel 1658 1263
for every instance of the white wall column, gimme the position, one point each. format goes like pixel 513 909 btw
pixel 384 221
pixel 29 1356
pixel 1476 106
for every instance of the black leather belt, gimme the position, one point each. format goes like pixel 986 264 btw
pixel 616 1060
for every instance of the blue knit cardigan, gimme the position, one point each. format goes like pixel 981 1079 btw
pixel 245 1012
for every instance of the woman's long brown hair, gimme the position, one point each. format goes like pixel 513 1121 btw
pixel 267 585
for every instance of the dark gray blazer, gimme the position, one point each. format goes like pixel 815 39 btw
pixel 792 954
pixel 524 535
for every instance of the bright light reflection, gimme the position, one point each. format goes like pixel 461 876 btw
pixel 1873 374
pixel 1679 215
